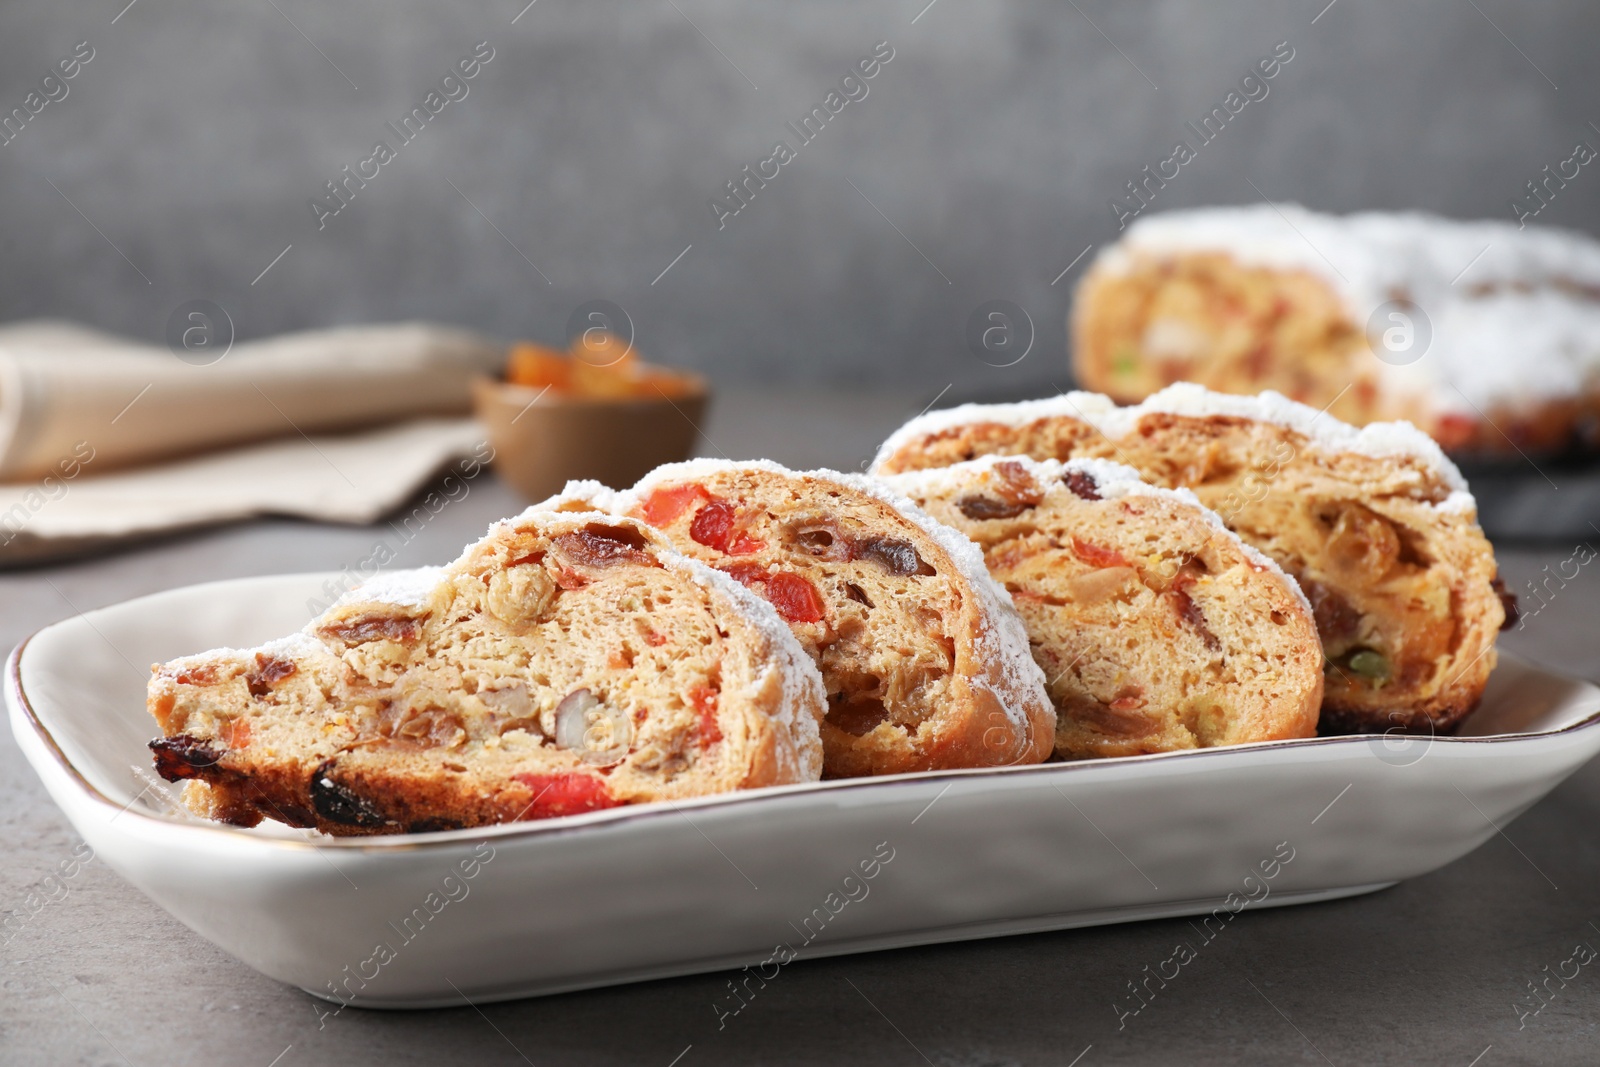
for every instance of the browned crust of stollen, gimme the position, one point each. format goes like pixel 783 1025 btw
pixel 1479 610
pixel 345 797
pixel 1434 717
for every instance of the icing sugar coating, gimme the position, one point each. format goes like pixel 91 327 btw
pixel 1113 481
pixel 298 645
pixel 583 491
pixel 407 589
pixel 1002 636
pixel 1514 313
pixel 1325 433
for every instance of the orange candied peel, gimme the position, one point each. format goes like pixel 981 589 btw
pixel 599 365
pixel 539 367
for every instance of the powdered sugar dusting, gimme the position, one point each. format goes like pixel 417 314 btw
pixel 1513 311
pixel 1326 433
pixel 299 645
pixel 581 491
pixel 403 589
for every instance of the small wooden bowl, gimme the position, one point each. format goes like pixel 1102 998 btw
pixel 542 441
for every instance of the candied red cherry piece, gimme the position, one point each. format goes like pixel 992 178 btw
pixel 1097 556
pixel 664 505
pixel 795 597
pixel 712 525
pixel 716 526
pixel 704 699
pixel 565 794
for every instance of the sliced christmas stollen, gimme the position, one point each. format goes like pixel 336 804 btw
pixel 1158 630
pixel 1376 525
pixel 924 659
pixel 565 663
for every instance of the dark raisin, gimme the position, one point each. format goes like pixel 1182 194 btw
pixel 1508 600
pixel 1190 613
pixel 338 803
pixel 856 593
pixel 821 540
pixel 402 628
pixel 268 673
pixel 1336 619
pixel 597 545
pixel 185 756
pixel 892 554
pixel 858 715
pixel 1082 484
pixel 988 507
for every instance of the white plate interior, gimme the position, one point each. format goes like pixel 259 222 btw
pixel 85 681
pixel 1043 847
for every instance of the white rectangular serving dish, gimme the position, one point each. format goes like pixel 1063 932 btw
pixel 760 877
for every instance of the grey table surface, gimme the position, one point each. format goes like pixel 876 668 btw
pixel 1428 971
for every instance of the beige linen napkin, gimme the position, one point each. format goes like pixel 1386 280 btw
pixel 76 404
pixel 64 388
pixel 351 478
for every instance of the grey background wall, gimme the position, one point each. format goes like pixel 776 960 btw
pixel 581 162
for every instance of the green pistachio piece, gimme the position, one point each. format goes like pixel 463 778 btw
pixel 1370 665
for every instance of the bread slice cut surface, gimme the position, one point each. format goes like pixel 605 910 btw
pixel 567 663
pixel 924 658
pixel 1158 629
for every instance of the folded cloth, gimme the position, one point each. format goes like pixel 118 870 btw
pixel 65 389
pixel 352 478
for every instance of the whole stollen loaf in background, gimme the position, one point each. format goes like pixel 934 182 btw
pixel 1483 334
pixel 63 384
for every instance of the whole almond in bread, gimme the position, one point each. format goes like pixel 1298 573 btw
pixel 1158 630
pixel 565 664
pixel 1375 524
